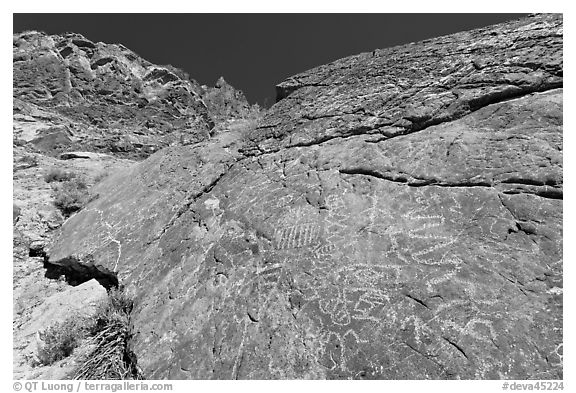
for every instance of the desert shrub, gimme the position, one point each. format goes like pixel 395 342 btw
pixel 71 196
pixel 108 332
pixel 111 331
pixel 60 339
pixel 27 161
pixel 117 306
pixel 59 175
pixel 120 301
pixel 100 176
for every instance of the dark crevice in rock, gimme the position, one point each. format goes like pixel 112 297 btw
pixel 530 182
pixel 547 193
pixel 417 300
pixel 77 272
pixel 517 284
pixel 550 194
pixel 458 347
pixel 361 110
pixel 36 252
pixel 101 62
pixel 411 181
pixel 514 92
pixel 325 116
pixel 421 124
pixel 506 278
pixel 523 227
pixel 252 317
pixel 503 203
pixel 83 43
pixel 186 205
pixel 425 356
pixel 130 358
pixel 363 130
pixel 350 133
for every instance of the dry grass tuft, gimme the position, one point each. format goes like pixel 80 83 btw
pixel 108 333
pixel 111 359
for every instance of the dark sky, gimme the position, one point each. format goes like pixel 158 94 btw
pixel 253 52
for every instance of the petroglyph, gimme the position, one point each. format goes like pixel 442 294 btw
pixel 365 229
pixel 213 204
pixel 353 300
pixel 297 236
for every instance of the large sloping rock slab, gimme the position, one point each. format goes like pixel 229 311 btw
pixel 399 90
pixel 383 222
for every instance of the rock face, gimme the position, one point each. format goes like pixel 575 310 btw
pixel 225 102
pixel 104 97
pixel 397 214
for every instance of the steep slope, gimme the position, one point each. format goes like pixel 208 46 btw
pixel 397 214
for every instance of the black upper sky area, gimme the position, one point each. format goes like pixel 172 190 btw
pixel 254 52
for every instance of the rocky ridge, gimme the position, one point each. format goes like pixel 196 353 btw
pixel 104 97
pixel 396 214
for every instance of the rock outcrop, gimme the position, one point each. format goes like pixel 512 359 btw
pixel 104 97
pixel 225 102
pixel 396 215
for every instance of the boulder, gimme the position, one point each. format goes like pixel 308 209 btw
pixel 80 301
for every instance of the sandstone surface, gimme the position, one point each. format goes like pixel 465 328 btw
pixel 395 215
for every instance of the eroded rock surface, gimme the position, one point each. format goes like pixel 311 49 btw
pixel 225 102
pixel 397 214
pixel 104 97
pixel 36 219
